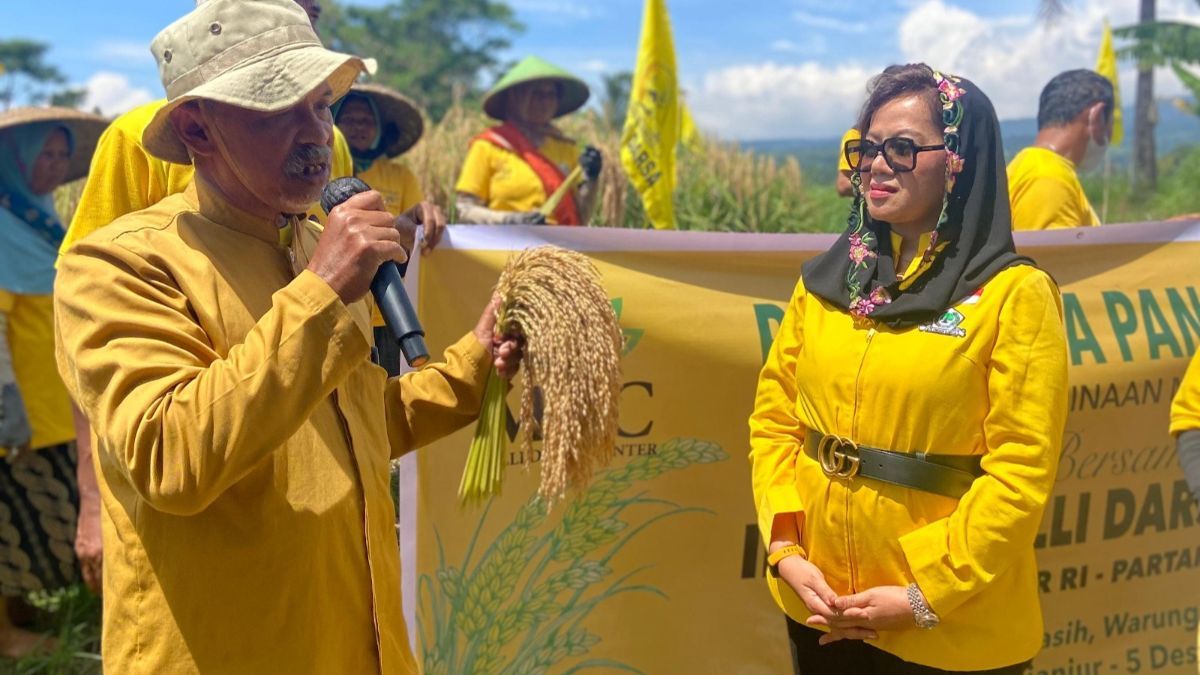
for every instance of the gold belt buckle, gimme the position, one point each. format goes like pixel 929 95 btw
pixel 838 456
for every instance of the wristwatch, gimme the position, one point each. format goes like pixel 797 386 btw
pixel 922 613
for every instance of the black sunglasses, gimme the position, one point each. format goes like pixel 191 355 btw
pixel 899 152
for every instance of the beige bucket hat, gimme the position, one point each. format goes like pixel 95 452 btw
pixel 85 131
pixel 256 54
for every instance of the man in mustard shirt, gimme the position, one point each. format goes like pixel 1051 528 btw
pixel 124 178
pixel 1075 124
pixel 242 434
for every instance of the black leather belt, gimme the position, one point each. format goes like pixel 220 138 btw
pixel 949 475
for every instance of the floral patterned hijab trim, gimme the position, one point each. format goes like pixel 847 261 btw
pixel 863 243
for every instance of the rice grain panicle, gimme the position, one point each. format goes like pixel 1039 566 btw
pixel 571 369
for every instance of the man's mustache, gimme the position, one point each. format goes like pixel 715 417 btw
pixel 306 156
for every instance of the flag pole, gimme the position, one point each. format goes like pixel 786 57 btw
pixel 1104 198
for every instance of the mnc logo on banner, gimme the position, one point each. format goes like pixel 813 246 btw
pixel 657 567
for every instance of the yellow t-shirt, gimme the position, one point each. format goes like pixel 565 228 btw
pixel 993 384
pixel 1185 409
pixel 31 340
pixel 504 181
pixel 1045 193
pixel 124 177
pixel 398 185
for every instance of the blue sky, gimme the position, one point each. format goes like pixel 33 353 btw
pixel 788 68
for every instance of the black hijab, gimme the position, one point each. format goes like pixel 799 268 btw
pixel 973 240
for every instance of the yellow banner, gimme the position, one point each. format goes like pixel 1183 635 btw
pixel 653 119
pixel 657 567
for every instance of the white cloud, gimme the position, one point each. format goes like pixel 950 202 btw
pixel 113 93
pixel 1009 57
pixel 828 23
pixel 780 101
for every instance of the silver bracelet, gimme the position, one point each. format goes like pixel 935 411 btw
pixel 922 613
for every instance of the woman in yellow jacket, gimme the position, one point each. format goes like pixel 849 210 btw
pixel 514 168
pixel 909 418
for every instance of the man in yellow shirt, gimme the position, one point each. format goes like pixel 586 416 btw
pixel 242 434
pixel 1075 124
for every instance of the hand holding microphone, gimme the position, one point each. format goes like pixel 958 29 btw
pixel 358 251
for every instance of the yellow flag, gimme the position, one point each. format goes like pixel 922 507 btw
pixel 1106 65
pixel 652 123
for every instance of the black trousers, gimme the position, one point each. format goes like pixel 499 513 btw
pixel 855 657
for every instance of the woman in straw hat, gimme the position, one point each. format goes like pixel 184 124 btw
pixel 381 124
pixel 513 169
pixel 40 148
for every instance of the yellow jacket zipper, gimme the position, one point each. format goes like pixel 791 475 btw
pixel 858 383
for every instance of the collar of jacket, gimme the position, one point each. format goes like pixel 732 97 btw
pixel 213 206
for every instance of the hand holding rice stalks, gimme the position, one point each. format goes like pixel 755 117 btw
pixel 571 370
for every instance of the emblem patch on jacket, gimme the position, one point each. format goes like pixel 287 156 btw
pixel 947 324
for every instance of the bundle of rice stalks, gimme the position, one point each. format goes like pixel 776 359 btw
pixel 571 373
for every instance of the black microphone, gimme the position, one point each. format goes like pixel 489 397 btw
pixel 387 286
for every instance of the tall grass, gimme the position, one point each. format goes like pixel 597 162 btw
pixel 1178 191
pixel 724 187
pixel 720 186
